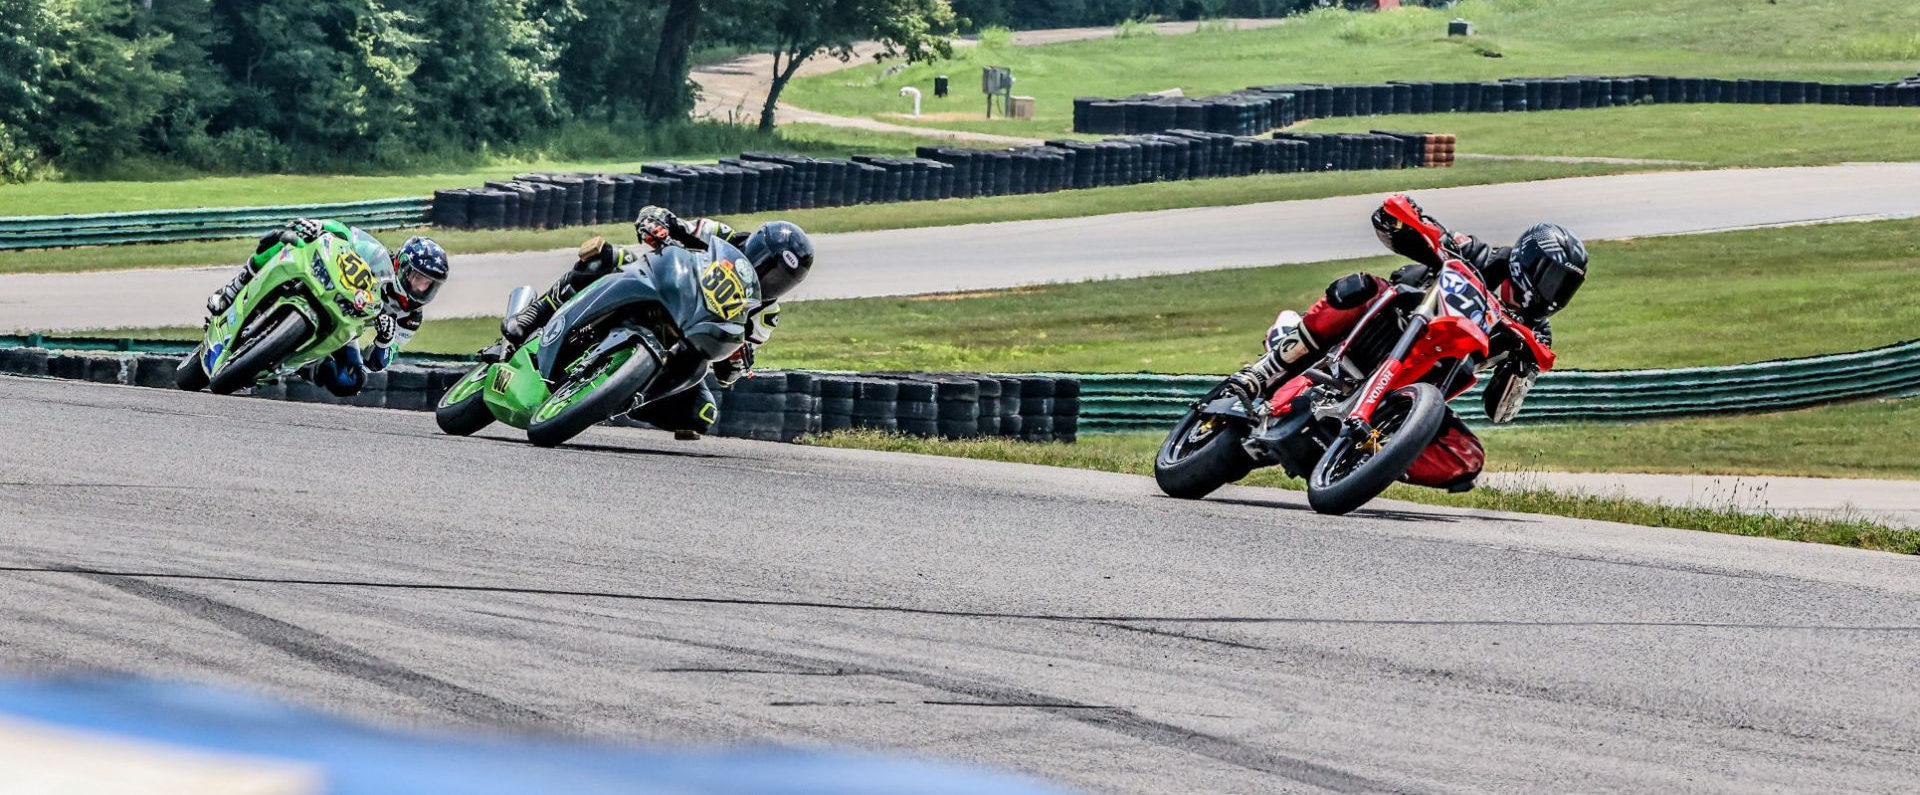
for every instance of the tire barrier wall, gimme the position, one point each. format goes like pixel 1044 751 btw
pixel 759 182
pixel 772 406
pixel 55 231
pixel 1150 402
pixel 1254 111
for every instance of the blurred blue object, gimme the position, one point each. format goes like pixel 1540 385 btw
pixel 361 760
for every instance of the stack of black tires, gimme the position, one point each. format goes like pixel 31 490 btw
pixel 784 406
pixel 1242 112
pixel 761 182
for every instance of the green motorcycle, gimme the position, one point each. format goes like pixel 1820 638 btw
pixel 304 304
pixel 640 334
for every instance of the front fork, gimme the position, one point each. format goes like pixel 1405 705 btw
pixel 1359 420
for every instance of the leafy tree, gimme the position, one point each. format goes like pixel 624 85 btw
pixel 320 75
pixel 669 98
pixel 607 57
pixel 915 30
pixel 486 71
pixel 93 87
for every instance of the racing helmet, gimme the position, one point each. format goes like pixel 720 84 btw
pixel 782 254
pixel 1546 268
pixel 420 268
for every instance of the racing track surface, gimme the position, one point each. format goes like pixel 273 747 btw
pixel 979 257
pixel 1070 624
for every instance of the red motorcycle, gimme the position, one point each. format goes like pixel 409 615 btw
pixel 1374 410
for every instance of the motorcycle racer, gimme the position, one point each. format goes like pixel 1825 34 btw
pixel 409 280
pixel 1534 278
pixel 782 256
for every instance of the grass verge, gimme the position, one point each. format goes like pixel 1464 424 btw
pixel 1065 204
pixel 1716 135
pixel 1133 454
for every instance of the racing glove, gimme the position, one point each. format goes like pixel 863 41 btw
pixel 383 331
pixel 655 225
pixel 307 229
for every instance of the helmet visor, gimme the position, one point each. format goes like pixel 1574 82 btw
pixel 419 286
pixel 1555 288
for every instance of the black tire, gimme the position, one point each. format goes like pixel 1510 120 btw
pixel 262 353
pixel 466 416
pixel 1410 417
pixel 611 398
pixel 1201 455
pixel 189 374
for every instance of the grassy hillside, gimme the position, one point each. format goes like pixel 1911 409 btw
pixel 1850 40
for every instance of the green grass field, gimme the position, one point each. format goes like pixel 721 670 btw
pixel 172 188
pixel 1065 204
pixel 1133 453
pixel 1713 135
pixel 1770 293
pixel 1653 302
pixel 1833 40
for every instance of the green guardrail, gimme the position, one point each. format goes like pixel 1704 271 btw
pixel 161 226
pixel 167 347
pixel 1155 402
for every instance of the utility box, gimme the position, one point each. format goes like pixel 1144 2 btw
pixel 1460 27
pixel 940 86
pixel 997 81
pixel 1021 108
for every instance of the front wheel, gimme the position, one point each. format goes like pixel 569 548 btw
pixel 261 354
pixel 1356 469
pixel 1202 454
pixel 190 375
pixel 463 410
pixel 593 398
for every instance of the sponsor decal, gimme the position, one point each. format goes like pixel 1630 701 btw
pixel 725 295
pixel 793 262
pixel 213 355
pixel 501 378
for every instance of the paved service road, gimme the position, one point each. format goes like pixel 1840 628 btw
pixel 978 257
pixel 1064 623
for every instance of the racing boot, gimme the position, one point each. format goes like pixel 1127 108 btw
pixel 1292 351
pixel 522 324
pixel 223 297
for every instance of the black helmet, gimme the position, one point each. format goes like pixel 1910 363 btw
pixel 1548 265
pixel 782 254
pixel 420 268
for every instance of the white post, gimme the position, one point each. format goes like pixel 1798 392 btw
pixel 910 91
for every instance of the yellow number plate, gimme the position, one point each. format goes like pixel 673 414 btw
pixel 725 295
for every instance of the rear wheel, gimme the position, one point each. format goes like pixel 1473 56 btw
pixel 261 353
pixel 1202 454
pixel 583 402
pixel 1356 469
pixel 463 410
pixel 189 374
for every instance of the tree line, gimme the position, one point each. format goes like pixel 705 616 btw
pixel 265 85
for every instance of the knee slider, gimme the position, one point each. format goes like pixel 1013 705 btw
pixel 1352 290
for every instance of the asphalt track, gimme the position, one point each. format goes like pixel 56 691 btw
pixel 979 257
pixel 1064 623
